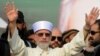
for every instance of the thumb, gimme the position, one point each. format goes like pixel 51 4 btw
pixel 86 18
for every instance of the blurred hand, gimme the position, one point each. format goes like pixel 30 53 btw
pixel 11 12
pixel 92 16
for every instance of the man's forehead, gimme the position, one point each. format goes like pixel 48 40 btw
pixel 95 27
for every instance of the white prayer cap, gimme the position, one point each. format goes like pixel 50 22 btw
pixel 42 25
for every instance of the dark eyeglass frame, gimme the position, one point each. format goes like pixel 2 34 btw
pixel 59 38
pixel 41 34
pixel 93 32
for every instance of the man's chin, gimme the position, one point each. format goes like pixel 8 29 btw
pixel 43 45
pixel 55 45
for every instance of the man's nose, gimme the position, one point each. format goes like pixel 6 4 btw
pixel 56 39
pixel 44 36
pixel 90 37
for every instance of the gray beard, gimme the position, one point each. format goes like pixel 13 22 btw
pixel 43 46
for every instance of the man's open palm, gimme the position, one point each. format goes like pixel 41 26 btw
pixel 11 12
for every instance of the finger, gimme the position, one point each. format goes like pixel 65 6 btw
pixel 12 2
pixel 97 11
pixel 92 11
pixel 7 4
pixel 7 7
pixel 9 1
pixel 86 15
pixel 13 5
pixel 86 19
pixel 97 14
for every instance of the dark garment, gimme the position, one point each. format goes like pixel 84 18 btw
pixel 87 53
pixel 4 48
pixel 4 36
pixel 4 45
pixel 29 44
pixel 97 51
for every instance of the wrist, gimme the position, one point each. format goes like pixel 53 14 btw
pixel 87 28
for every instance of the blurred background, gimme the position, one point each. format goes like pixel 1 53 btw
pixel 33 10
pixel 66 14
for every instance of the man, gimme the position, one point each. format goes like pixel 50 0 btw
pixel 94 37
pixel 69 35
pixel 42 34
pixel 94 34
pixel 21 25
pixel 56 38
pixel 30 42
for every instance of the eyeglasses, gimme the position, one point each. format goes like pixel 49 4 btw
pixel 93 32
pixel 46 34
pixel 59 38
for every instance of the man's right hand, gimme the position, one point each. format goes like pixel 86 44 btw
pixel 12 15
pixel 11 12
pixel 91 17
